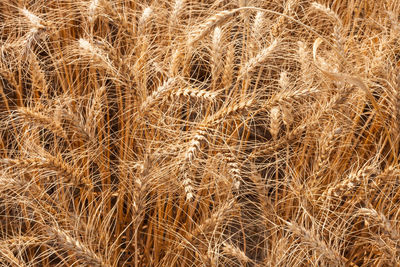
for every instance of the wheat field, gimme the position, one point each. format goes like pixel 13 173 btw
pixel 199 133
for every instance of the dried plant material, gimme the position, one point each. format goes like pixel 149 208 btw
pixel 162 89
pixel 33 19
pixel 257 25
pixel 212 22
pixel 92 10
pixel 199 133
pixel 82 251
pixel 235 252
pixel 30 116
pixel 275 122
pixel 177 10
pixel 216 52
pixel 55 164
pixel 195 93
pixel 314 241
pixel 351 183
pixel 228 71
pixel 233 169
pixel 384 223
pixel 259 59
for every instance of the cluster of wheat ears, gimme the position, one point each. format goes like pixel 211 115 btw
pixel 199 133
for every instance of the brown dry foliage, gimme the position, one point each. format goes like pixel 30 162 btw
pixel 199 133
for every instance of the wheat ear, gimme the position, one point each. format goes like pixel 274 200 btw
pixel 207 27
pixel 39 82
pixel 227 75
pixel 194 93
pixel 275 121
pixel 212 222
pixel 256 61
pixel 33 19
pixel 314 241
pixel 372 214
pixel 31 116
pixel 50 163
pixel 353 181
pixel 157 94
pixel 176 13
pixel 229 110
pixel 201 135
pixel 194 146
pixel 216 54
pixel 256 31
pixel 233 169
pixel 235 252
pixel 144 21
pixel 92 10
pixel 66 241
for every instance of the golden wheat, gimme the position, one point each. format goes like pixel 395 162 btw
pixel 199 133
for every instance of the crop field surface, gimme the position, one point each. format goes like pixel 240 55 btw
pixel 232 133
